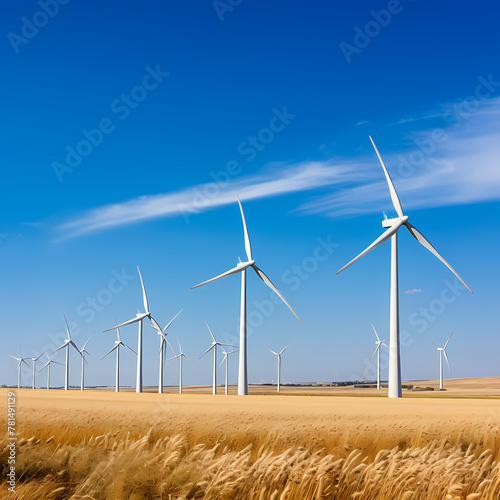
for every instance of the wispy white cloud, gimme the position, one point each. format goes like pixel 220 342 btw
pixel 413 291
pixel 460 168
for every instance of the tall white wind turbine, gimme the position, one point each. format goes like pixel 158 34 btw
pixel 379 343
pixel 82 353
pixel 393 226
pixel 279 361
pixel 34 360
pixel 20 360
pixel 179 357
pixel 117 345
pixel 442 350
pixel 68 342
pixel 214 347
pixel 163 340
pixel 47 365
pixel 242 268
pixel 138 319
pixel 226 359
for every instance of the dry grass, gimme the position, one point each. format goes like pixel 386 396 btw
pixel 102 445
pixel 65 463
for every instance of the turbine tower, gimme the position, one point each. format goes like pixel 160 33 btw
pixel 66 344
pixel 242 268
pixel 117 345
pixel 163 339
pixel 20 360
pixel 34 360
pixel 179 357
pixel 377 351
pixel 226 359
pixel 393 226
pixel 138 319
pixel 82 354
pixel 47 365
pixel 279 361
pixel 214 347
pixel 442 350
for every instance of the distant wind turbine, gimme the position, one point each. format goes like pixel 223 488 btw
pixel 442 350
pixel 163 339
pixel 66 345
pixel 117 345
pixel 279 360
pixel 377 351
pixel 241 268
pixel 138 319
pixel 226 359
pixel 82 354
pixel 47 365
pixel 214 347
pixel 34 360
pixel 393 226
pixel 179 357
pixel 20 360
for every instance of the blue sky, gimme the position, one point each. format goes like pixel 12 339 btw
pixel 127 133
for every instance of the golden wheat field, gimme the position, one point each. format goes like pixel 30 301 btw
pixel 98 444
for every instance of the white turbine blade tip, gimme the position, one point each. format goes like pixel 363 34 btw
pixel 248 248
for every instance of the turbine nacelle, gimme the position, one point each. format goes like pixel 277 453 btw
pixel 390 222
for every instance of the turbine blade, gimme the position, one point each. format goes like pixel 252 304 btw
pixel 223 359
pixel 425 242
pixel 270 350
pixel 447 362
pixel 228 345
pixel 268 282
pixel 67 327
pixel 155 324
pixel 19 359
pixel 117 330
pixel 210 332
pixel 446 345
pixel 172 320
pixel 87 342
pixel 382 343
pixel 435 344
pixel 110 351
pixel 248 247
pixel 188 358
pixel 58 349
pixel 144 296
pixel 166 340
pixel 375 332
pixel 44 366
pixel 209 349
pixel 392 189
pixel 375 351
pixel 130 349
pixel 284 349
pixel 383 237
pixel 129 322
pixel 234 270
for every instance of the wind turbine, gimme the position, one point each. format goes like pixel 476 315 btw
pixel 242 268
pixel 393 225
pixel 117 345
pixel 66 344
pixel 279 360
pixel 20 360
pixel 214 347
pixel 82 354
pixel 226 359
pixel 377 351
pixel 138 319
pixel 179 357
pixel 34 360
pixel 163 339
pixel 442 350
pixel 49 362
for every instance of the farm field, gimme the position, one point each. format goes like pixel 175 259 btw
pixel 100 444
